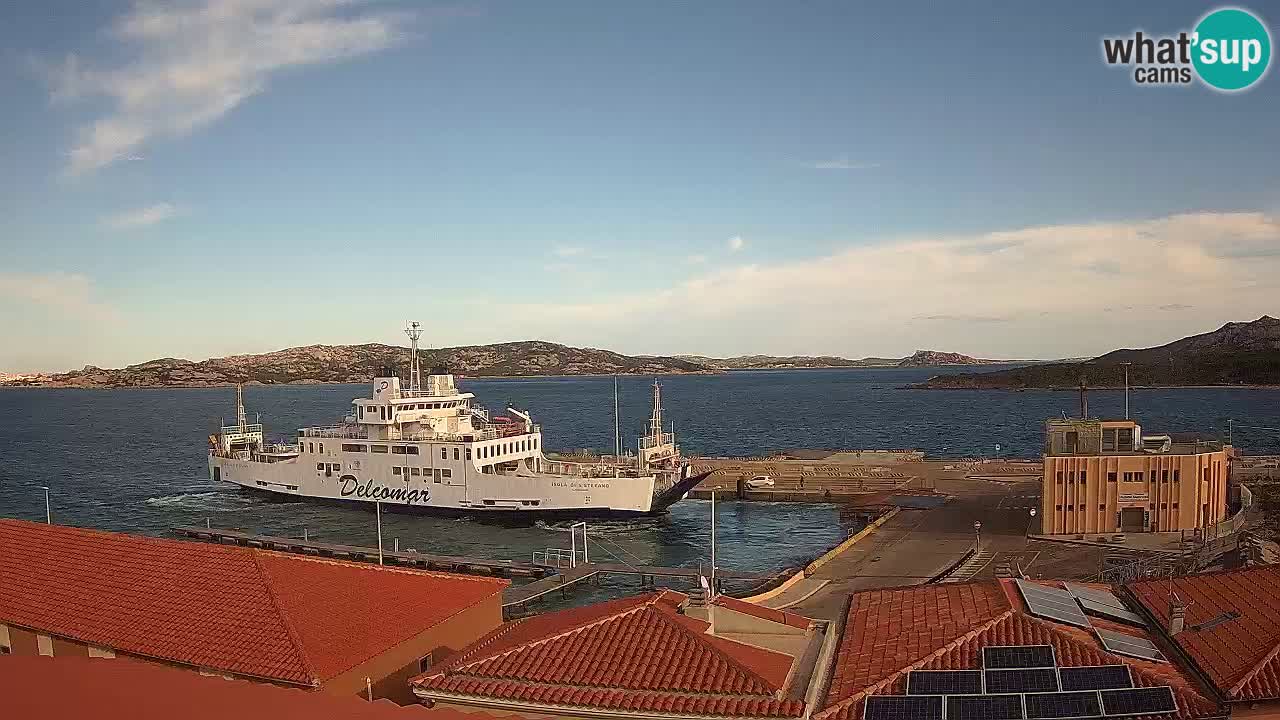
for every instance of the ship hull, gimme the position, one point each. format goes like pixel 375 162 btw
pixel 504 498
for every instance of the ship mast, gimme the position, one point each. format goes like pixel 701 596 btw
pixel 240 419
pixel 617 423
pixel 415 371
pixel 655 423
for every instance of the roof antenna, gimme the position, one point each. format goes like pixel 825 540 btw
pixel 415 370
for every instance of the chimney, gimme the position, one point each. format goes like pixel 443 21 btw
pixel 1177 615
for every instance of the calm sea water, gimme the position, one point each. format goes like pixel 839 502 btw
pixel 134 460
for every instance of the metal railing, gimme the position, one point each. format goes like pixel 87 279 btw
pixel 235 429
pixel 558 557
pixel 648 442
pixel 352 432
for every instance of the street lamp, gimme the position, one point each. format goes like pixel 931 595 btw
pixel 48 514
pixel 977 535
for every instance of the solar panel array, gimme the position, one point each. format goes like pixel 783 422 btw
pixel 1052 604
pixel 1043 691
pixel 1130 645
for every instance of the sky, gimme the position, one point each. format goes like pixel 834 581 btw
pixel 204 178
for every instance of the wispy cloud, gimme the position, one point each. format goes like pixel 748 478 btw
pixel 142 217
pixel 189 63
pixel 70 293
pixel 842 163
pixel 696 259
pixel 736 243
pixel 1035 291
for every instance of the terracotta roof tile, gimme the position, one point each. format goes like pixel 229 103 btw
pixel 1241 656
pixel 945 627
pixel 71 687
pixel 638 654
pixel 238 610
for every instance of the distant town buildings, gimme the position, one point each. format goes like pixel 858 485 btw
pixel 1106 476
pixel 338 627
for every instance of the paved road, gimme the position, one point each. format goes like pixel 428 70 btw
pixel 916 545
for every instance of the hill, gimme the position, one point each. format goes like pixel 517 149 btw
pixel 770 362
pixel 1238 353
pixel 928 358
pixel 360 363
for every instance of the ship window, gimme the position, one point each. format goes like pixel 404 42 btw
pixel 1111 476
pixel 312 446
pixel 399 450
pixel 446 473
pixel 395 470
pixel 1103 506
pixel 361 410
pixel 535 443
pixel 320 466
pixel 455 453
pixel 380 449
pixel 468 453
pixel 322 447
pixel 354 447
pixel 416 472
pixel 1175 475
pixel 488 502
pixel 1164 476
pixel 1137 477
pixel 1082 477
pixel 535 503
pixel 444 453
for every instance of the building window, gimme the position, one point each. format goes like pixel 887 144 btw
pixel 455 453
pixel 444 453
pixel 1072 440
pixel 1059 477
pixel 1175 475
pixel 44 644
pixel 1128 477
pixel 1109 440
pixel 424 664
pixel 1071 508
pixel 1083 476
pixel 1137 477
pixel 1102 506
pixel 468 453
pixel 101 652
pixel 1059 507
pixel 1111 476
pixel 1124 440
pixel 1164 506
pixel 1164 476
pixel 1175 506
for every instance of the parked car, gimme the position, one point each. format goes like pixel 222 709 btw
pixel 760 481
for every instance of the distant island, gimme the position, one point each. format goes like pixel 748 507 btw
pixel 359 363
pixel 1238 353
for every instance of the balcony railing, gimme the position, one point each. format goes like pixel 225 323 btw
pixel 248 429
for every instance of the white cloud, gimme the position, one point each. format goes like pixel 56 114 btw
pixel 842 163
pixel 190 63
pixel 70 293
pixel 696 259
pixel 736 243
pixel 142 217
pixel 1050 291
pixel 568 251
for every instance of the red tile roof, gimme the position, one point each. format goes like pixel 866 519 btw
pixel 944 627
pixel 634 654
pixel 75 687
pixel 239 610
pixel 1241 656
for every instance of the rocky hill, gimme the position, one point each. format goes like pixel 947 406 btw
pixel 929 358
pixel 1238 353
pixel 359 363
pixel 773 362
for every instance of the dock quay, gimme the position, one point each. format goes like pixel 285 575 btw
pixel 548 577
pixel 407 558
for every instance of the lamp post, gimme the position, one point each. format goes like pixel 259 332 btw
pixel 377 509
pixel 713 542
pixel 977 535
pixel 48 514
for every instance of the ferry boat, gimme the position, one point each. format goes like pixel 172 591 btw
pixel 429 448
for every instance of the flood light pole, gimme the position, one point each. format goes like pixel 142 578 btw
pixel 713 541
pixel 377 509
pixel 48 514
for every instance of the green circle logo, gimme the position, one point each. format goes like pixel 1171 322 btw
pixel 1231 49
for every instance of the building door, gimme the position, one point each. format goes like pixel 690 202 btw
pixel 1131 520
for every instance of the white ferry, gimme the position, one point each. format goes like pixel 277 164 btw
pixel 429 448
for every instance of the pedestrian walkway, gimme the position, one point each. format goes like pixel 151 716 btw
pixel 970 567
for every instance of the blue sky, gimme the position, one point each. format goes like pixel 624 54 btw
pixel 205 178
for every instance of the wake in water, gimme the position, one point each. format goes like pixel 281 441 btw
pixel 216 500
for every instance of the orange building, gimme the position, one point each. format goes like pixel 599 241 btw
pixel 306 622
pixel 1105 476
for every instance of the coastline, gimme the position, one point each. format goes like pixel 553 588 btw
pixel 1093 388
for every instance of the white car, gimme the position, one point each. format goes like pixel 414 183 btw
pixel 760 481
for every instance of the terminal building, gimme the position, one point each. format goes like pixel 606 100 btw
pixel 1106 476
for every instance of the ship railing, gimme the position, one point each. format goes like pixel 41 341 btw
pixel 353 432
pixel 480 413
pixel 247 430
pixel 648 442
pixel 558 557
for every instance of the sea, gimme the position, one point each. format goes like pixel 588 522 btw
pixel 135 459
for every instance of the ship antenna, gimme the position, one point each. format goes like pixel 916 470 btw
pixel 240 407
pixel 617 423
pixel 415 370
pixel 655 424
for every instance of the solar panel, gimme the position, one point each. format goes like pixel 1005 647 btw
pixel 903 707
pixel 984 707
pixel 1061 705
pixel 1130 645
pixel 1111 613
pixel 1022 681
pixel 1097 595
pixel 1139 701
pixel 1018 656
pixel 1052 604
pixel 944 682
pixel 1095 677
